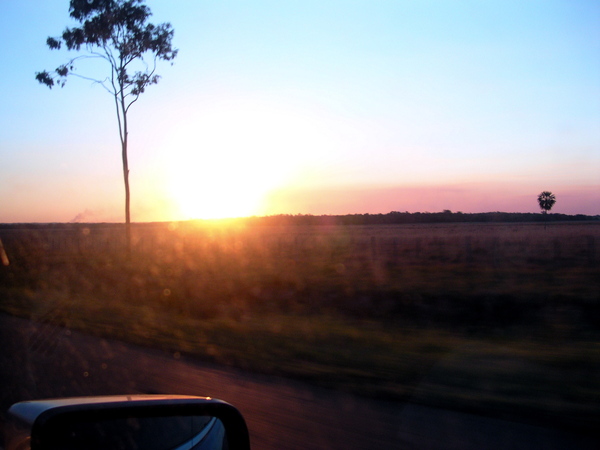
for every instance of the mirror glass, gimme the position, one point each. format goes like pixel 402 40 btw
pixel 129 433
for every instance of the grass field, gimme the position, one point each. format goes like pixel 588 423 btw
pixel 500 319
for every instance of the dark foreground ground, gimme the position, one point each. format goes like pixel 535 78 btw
pixel 38 361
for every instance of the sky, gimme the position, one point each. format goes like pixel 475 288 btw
pixel 312 107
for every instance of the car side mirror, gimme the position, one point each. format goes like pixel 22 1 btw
pixel 144 422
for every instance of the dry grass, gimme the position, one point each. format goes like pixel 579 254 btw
pixel 499 318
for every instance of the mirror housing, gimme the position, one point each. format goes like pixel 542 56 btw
pixel 128 422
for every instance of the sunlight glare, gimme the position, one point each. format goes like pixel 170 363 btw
pixel 226 159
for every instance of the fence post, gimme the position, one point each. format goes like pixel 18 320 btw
pixel 3 255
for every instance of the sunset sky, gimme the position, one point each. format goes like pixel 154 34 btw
pixel 313 107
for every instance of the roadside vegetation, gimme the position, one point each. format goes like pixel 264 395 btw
pixel 497 318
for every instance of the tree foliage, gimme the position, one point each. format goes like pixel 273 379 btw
pixel 546 200
pixel 117 32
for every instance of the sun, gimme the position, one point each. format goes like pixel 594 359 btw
pixel 226 160
pixel 211 187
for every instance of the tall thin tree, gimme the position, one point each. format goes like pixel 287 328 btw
pixel 118 32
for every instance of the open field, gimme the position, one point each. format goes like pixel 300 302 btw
pixel 494 318
pixel 475 275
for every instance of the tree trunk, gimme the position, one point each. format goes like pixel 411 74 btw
pixel 124 139
pixel 127 197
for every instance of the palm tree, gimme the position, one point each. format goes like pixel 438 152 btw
pixel 546 201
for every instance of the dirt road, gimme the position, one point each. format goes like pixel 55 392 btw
pixel 39 360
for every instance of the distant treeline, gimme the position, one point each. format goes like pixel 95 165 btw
pixel 391 218
pixel 395 217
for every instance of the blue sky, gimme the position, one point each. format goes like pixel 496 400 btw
pixel 313 107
